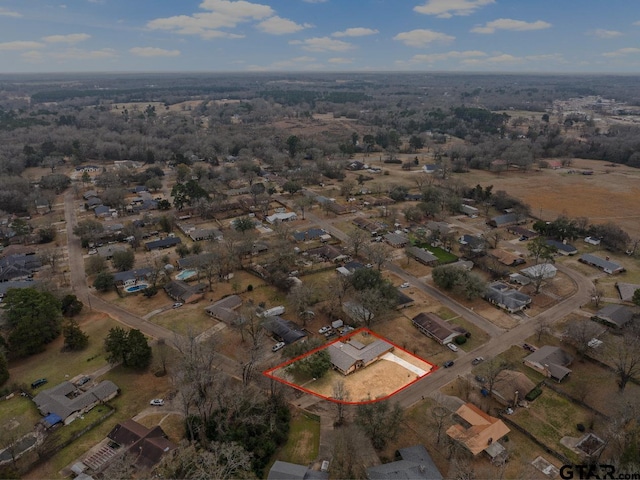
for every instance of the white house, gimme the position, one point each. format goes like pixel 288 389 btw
pixel 282 217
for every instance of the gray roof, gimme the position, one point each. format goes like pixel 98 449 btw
pixel 181 291
pixel 422 255
pixel 605 265
pixel 563 247
pixel 434 325
pixel 310 234
pixel 6 286
pixel 416 464
pixel 627 290
pixel 223 309
pixel 131 274
pixel 554 359
pixel 506 219
pixel 396 239
pixel 56 400
pixel 284 329
pixel 164 243
pixel 507 298
pixel 617 315
pixel 291 471
pixel 107 251
pixel 18 265
pixel 195 261
pixel 345 355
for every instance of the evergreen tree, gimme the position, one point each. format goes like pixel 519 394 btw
pixel 74 337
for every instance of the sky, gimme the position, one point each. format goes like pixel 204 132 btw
pixel 528 36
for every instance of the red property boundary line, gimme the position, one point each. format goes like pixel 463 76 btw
pixel 269 373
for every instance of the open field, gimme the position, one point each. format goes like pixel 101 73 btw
pixel 304 439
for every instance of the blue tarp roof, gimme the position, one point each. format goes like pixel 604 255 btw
pixel 52 419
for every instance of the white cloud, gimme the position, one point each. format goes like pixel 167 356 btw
pixel 323 44
pixel 153 52
pixel 510 24
pixel 32 56
pixel 220 14
pixel 449 8
pixel 507 59
pixel 71 38
pixel 622 52
pixel 452 55
pixel 8 13
pixel 423 38
pixel 280 26
pixel 355 32
pixel 78 54
pixel 20 45
pixel 602 33
pixel 340 60
pixel 297 61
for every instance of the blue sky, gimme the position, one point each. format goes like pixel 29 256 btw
pixel 320 35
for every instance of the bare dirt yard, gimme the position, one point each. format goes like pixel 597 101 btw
pixel 381 379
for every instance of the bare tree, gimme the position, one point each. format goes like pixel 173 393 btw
pixel 439 415
pixel 377 253
pixel 356 240
pixel 580 331
pixel 543 326
pixel 300 298
pixel 341 394
pixel 625 357
pixel 346 461
pixel 490 370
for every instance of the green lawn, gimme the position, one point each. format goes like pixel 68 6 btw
pixel 478 336
pixel 443 256
pixel 18 415
pixel 304 439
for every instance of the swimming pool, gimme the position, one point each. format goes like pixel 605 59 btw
pixel 136 288
pixel 184 274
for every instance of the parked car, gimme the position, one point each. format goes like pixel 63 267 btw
pixel 157 402
pixel 531 348
pixel 177 305
pixel 93 251
pixel 452 347
pixel 83 380
pixel 480 379
pixel 325 329
pixel 38 383
pixel 477 360
pixel 278 346
pixel 448 363
pixel 405 285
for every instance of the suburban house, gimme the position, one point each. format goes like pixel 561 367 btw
pixel 89 194
pixel 522 232
pixel 469 210
pixel 102 211
pixel 627 290
pixel 505 220
pixel 164 243
pixel 510 387
pixel 616 316
pixel 506 297
pixel 396 240
pixel 356 312
pixel 198 234
pixel 224 309
pixel 328 253
pixel 19 265
pixel 472 243
pixel 352 355
pixel 131 277
pixel 283 330
pixel 92 203
pixel 194 262
pixel 311 234
pixel 292 471
pixel 506 258
pixel 441 227
pixel 67 402
pixel 550 361
pixel 410 463
pixel 435 327
pixel 562 247
pixel 282 217
pixel 183 292
pixel 422 256
pixel 542 270
pixel 604 265
pixel 147 445
pixel 6 286
pixel 478 431
pixel 403 300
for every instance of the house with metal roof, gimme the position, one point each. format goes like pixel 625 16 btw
pixel 627 290
pixel 505 220
pixel 411 463
pixel 68 402
pixel 435 327
pixel 550 361
pixel 603 264
pixel 353 355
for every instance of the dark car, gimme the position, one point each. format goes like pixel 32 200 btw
pixel 448 363
pixel 38 383
pixel 480 379
pixel 531 348
pixel 83 380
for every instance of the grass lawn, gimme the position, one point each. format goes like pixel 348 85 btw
pixel 442 255
pixel 18 415
pixel 304 439
pixel 184 320
pixel 513 356
pixel 478 336
pixel 57 366
pixel 551 417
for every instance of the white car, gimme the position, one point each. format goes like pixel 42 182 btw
pixel 157 402
pixel 177 305
pixel 278 346
pixel 452 347
pixel 325 329
pixel 405 285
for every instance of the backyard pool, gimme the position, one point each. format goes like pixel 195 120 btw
pixel 136 288
pixel 184 274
